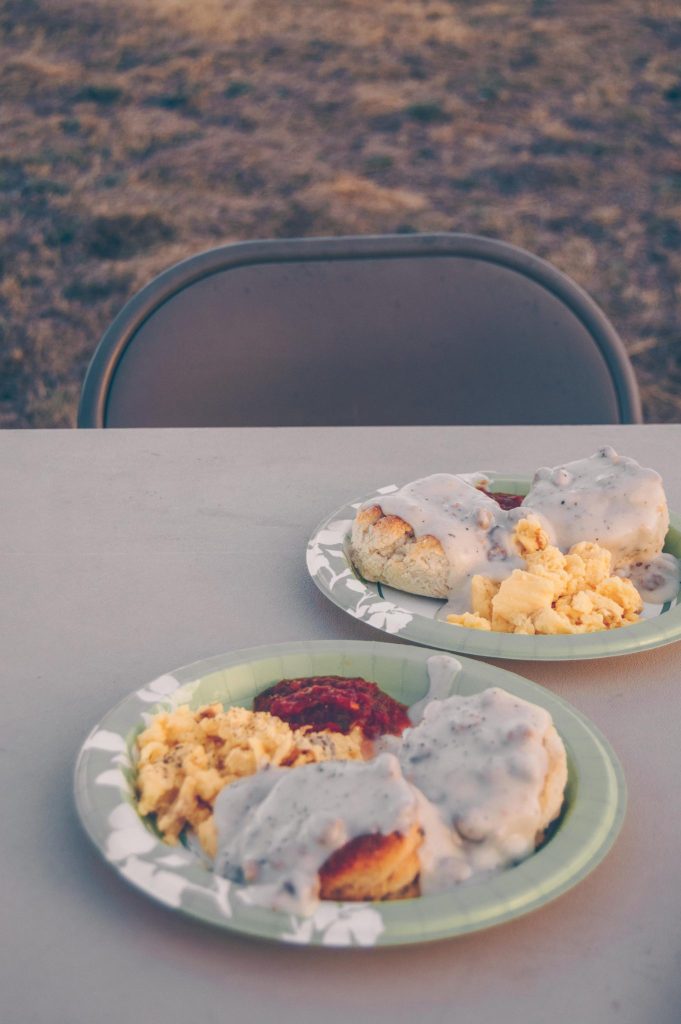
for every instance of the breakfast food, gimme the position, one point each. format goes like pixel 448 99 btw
pixel 374 867
pixel 431 536
pixel 608 499
pixel 453 538
pixel 555 593
pixel 336 704
pixel 467 788
pixel 495 768
pixel 186 757
pixel 279 829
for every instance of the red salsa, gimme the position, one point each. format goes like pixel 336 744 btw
pixel 334 703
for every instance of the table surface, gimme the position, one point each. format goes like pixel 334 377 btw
pixel 128 553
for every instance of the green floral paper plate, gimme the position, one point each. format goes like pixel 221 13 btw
pixel 415 618
pixel 176 877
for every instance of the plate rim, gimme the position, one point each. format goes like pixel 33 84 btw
pixel 396 930
pixel 400 622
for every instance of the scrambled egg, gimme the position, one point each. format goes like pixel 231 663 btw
pixel 186 757
pixel 556 593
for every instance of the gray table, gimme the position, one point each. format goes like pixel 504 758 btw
pixel 128 553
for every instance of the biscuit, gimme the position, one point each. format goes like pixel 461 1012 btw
pixel 373 867
pixel 609 499
pixel 384 549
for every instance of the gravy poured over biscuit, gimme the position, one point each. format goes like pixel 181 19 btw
pixel 436 534
pixel 480 778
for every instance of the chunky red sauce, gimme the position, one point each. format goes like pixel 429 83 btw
pixel 334 703
pixel 503 498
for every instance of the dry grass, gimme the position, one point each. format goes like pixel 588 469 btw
pixel 134 135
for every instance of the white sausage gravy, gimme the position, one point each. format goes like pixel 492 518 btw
pixel 277 827
pixel 471 774
pixel 620 505
pixel 607 498
pixel 475 533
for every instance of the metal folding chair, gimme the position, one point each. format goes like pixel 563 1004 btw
pixel 406 329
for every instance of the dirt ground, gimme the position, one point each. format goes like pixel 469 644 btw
pixel 134 135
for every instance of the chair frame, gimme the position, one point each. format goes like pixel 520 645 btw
pixel 100 374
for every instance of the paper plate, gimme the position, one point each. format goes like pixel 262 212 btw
pixel 176 877
pixel 415 618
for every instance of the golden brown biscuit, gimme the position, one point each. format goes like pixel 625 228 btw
pixel 373 867
pixel 384 548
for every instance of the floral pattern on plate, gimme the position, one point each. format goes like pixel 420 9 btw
pixel 179 877
pixel 415 618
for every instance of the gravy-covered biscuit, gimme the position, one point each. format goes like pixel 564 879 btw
pixel 430 536
pixel 580 528
pixel 494 767
pixel 608 499
pixel 344 827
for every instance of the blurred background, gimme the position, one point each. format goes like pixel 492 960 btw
pixel 133 135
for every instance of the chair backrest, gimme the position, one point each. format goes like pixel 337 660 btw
pixel 406 329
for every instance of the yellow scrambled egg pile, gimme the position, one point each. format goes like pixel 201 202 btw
pixel 186 757
pixel 556 593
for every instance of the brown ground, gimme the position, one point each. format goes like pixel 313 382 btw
pixel 134 135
